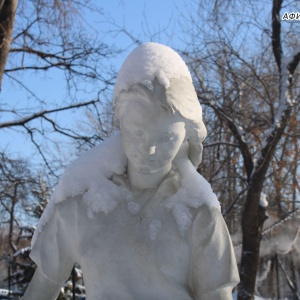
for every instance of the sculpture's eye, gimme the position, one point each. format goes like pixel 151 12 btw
pixel 168 138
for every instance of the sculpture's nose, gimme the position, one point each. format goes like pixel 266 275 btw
pixel 147 147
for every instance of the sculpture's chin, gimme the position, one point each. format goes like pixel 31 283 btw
pixel 147 168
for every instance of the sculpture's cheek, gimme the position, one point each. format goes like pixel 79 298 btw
pixel 151 156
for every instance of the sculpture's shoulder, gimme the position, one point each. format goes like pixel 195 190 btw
pixel 209 227
pixel 211 211
pixel 194 194
pixel 88 178
pixel 207 215
pixel 99 162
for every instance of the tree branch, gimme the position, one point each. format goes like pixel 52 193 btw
pixel 276 32
pixel 234 201
pixel 286 71
pixel 292 65
pixel 248 163
pixel 220 143
pixel 64 132
pixel 7 16
pixel 23 121
pixel 40 151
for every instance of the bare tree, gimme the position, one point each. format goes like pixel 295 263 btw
pixel 245 73
pixel 18 187
pixel 41 39
pixel 7 16
pixel 54 39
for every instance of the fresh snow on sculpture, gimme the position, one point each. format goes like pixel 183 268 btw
pixel 148 61
pixel 133 211
pixel 263 202
pixel 89 176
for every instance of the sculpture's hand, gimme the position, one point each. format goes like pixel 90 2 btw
pixel 41 287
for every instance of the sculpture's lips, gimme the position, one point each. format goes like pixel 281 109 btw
pixel 147 166
pixel 145 163
pixel 146 160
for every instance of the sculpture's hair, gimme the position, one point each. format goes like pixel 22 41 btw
pixel 179 98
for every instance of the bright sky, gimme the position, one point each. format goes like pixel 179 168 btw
pixel 144 18
pixel 155 20
pixel 141 18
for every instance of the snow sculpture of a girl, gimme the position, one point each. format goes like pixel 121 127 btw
pixel 133 211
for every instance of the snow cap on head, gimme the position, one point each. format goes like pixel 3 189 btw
pixel 148 61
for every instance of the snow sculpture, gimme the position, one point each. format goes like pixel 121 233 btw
pixel 134 212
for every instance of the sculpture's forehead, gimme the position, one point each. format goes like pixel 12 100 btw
pixel 149 61
pixel 143 111
pixel 139 102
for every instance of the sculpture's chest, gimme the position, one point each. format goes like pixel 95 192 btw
pixel 132 242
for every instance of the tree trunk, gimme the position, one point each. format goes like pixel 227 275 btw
pixel 253 218
pixel 7 16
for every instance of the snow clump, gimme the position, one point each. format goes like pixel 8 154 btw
pixel 89 175
pixel 148 61
pixel 194 192
pixel 154 229
pixel 263 202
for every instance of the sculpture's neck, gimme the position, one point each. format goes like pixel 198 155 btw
pixel 146 181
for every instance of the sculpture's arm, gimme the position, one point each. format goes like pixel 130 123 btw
pixel 223 293
pixel 54 252
pixel 213 272
pixel 42 287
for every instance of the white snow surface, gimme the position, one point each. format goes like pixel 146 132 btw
pixel 154 229
pixel 99 163
pixel 263 202
pixel 194 192
pixel 90 175
pixel 148 61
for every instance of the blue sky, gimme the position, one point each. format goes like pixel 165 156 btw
pixel 141 18
pixel 144 18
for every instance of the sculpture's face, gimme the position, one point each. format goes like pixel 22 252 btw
pixel 151 137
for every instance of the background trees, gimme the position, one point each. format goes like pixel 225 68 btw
pixel 46 40
pixel 245 72
pixel 7 17
pixel 22 195
pixel 53 40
